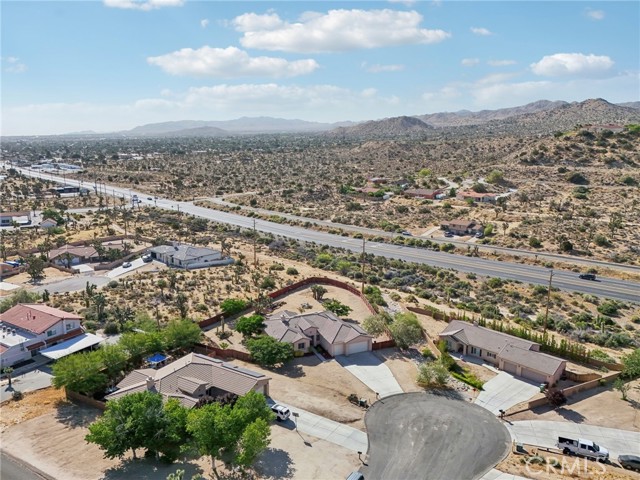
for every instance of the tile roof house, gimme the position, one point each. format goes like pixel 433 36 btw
pixel 187 256
pixel 477 197
pixel 422 193
pixel 26 328
pixel 335 335
pixel 68 255
pixel 512 354
pixel 192 377
pixel 462 227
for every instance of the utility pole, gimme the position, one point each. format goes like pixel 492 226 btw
pixel 363 262
pixel 255 254
pixel 546 313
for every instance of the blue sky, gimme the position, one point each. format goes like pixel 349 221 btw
pixel 114 64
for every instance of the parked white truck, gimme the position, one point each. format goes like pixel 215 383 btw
pixel 582 448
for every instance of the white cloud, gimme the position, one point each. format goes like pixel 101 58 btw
pixel 144 5
pixel 204 23
pixel 481 31
pixel 494 78
pixel 378 68
pixel 335 31
pixel 229 62
pixel 448 92
pixel 408 3
pixel 501 63
pixel 14 65
pixel 563 64
pixel 595 14
pixel 469 62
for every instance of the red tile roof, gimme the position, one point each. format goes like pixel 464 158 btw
pixel 35 318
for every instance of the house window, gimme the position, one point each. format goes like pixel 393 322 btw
pixel 51 333
pixel 301 346
pixel 69 326
pixel 476 351
pixel 491 355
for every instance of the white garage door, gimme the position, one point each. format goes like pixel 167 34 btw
pixel 357 347
pixel 338 350
pixel 510 368
pixel 535 376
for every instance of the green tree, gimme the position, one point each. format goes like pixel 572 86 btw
pixel 337 307
pixel 82 372
pixel 182 334
pixel 231 306
pixel 495 176
pixel 99 302
pixel 405 330
pixel 615 223
pixel 377 324
pixel 267 351
pixel 182 304
pixel 8 371
pixel 161 284
pixel 251 325
pixel 631 365
pixel 136 346
pixel 209 426
pixel 35 268
pixel 622 387
pixel 113 359
pixel 254 440
pixel 432 374
pixel 123 315
pixel 318 292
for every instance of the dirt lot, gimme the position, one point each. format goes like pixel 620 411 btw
pixel 601 406
pixel 50 275
pixel 570 467
pixel 319 387
pixel 48 432
pixel 403 368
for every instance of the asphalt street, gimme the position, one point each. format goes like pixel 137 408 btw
pixel 423 435
pixel 604 287
pixel 10 469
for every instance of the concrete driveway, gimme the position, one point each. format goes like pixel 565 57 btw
pixel 368 368
pixel 426 435
pixel 325 429
pixel 545 434
pixel 504 391
pixel 119 271
pixel 36 379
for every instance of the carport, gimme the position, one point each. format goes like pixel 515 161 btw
pixel 73 345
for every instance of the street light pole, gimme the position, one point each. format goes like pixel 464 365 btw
pixel 546 313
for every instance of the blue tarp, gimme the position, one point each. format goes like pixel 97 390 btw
pixel 156 358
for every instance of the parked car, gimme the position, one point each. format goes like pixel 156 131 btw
pixel 282 412
pixel 149 198
pixel 479 235
pixel 146 258
pixel 630 462
pixel 448 234
pixel 355 476
pixel 587 276
pixel 582 448
pixel 408 234
pixel 126 264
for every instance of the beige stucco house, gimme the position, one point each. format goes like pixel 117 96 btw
pixel 512 354
pixel 335 335
pixel 191 377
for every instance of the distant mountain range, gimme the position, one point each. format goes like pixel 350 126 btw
pixel 538 117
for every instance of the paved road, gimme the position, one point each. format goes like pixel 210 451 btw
pixel 421 435
pixel 545 434
pixel 13 469
pixel 73 284
pixel 586 262
pixel 368 368
pixel 605 287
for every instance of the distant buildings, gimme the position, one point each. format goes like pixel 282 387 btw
pixel 185 256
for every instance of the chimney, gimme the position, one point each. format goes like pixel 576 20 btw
pixel 150 383
pixel 13 331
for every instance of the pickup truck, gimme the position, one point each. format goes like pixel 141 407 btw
pixel 582 448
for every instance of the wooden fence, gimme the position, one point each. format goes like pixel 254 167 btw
pixel 211 351
pixel 383 344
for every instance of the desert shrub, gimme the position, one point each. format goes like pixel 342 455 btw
pixel 601 241
pixel 113 284
pixel 268 283
pixel 534 242
pixel 427 353
pixel 609 308
pixel 17 395
pixel 231 306
pixel 111 328
pixel 432 374
pixel 276 267
pixel 577 178
pixel 292 271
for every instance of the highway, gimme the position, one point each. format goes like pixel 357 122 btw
pixel 605 287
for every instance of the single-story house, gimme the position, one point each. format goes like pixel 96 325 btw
pixel 192 377
pixel 48 223
pixel 185 256
pixel 304 330
pixel 422 193
pixel 512 354
pixel 68 255
pixel 27 328
pixel 21 218
pixel 477 197
pixel 378 180
pixel 462 227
